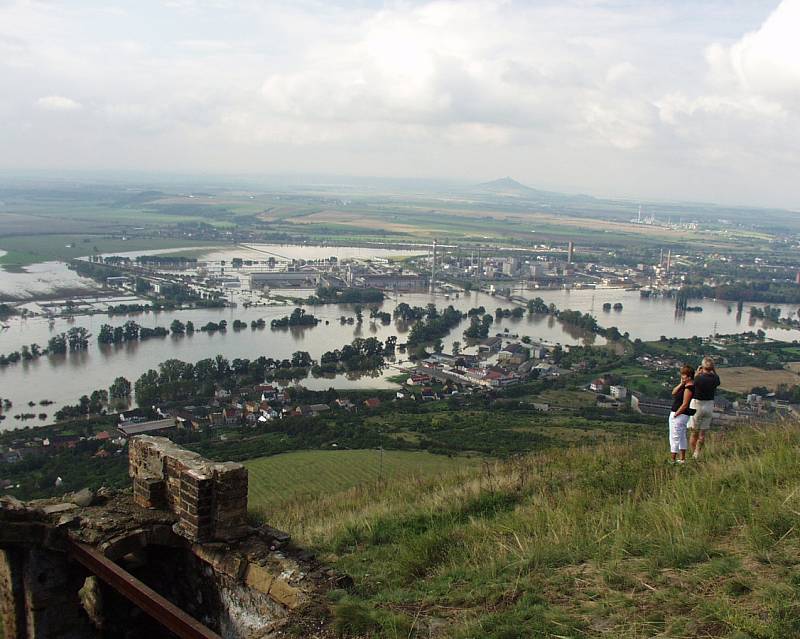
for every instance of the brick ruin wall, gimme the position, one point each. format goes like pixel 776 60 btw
pixel 209 498
pixel 184 534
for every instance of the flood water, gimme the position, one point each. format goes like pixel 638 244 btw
pixel 63 379
pixel 41 279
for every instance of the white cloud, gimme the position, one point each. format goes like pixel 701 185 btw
pixel 58 103
pixel 767 61
pixel 466 71
pixel 557 93
pixel 744 118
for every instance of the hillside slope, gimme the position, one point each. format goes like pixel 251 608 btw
pixel 608 541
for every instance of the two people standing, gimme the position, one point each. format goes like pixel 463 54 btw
pixel 692 409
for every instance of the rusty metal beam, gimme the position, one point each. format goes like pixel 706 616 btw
pixel 159 608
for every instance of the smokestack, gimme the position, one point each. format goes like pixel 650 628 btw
pixel 433 268
pixel 570 252
pixel 669 259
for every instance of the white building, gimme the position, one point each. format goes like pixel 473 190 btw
pixel 618 392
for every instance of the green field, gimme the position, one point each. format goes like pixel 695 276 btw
pixel 279 478
pixel 565 398
pixel 23 250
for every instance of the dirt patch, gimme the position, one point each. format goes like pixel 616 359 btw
pixel 741 379
pixel 794 367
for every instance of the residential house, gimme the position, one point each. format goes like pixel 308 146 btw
pixel 526 367
pixel 538 351
pixel 232 415
pixel 598 385
pixel 217 419
pixel 490 345
pixel 252 407
pixel 617 392
pixel 497 377
pixel 154 427
pixel 547 370
pixel 428 394
pixel 317 409
pixel 193 417
pixel 442 358
pixel 372 402
pixel 267 391
pixel 514 354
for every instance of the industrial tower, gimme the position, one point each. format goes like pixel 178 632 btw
pixel 432 287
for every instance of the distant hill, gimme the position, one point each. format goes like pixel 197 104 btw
pixel 506 185
pixel 509 187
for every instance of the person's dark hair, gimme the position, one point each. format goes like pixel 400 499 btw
pixel 688 371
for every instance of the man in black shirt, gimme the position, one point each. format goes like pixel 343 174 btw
pixel 706 382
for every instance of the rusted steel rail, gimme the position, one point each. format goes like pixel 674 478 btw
pixel 159 608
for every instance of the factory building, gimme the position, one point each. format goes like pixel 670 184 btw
pixel 285 279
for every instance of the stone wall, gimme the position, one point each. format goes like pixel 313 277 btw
pixel 209 498
pixel 39 596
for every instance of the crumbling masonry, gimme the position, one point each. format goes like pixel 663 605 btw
pixel 183 536
pixel 210 499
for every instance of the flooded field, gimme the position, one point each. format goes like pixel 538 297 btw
pixel 63 379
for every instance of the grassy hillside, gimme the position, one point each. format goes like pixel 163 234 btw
pixel 608 541
pixel 297 476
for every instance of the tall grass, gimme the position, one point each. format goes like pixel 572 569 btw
pixel 607 541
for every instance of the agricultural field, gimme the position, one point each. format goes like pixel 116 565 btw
pixel 24 250
pixel 289 476
pixel 562 398
pixel 741 379
pixel 121 205
pixel 649 382
pixel 349 214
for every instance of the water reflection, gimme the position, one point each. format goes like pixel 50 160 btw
pixel 64 378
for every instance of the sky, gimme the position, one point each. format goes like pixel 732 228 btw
pixel 679 100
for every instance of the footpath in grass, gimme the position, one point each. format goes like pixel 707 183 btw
pixel 605 541
pixel 314 473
